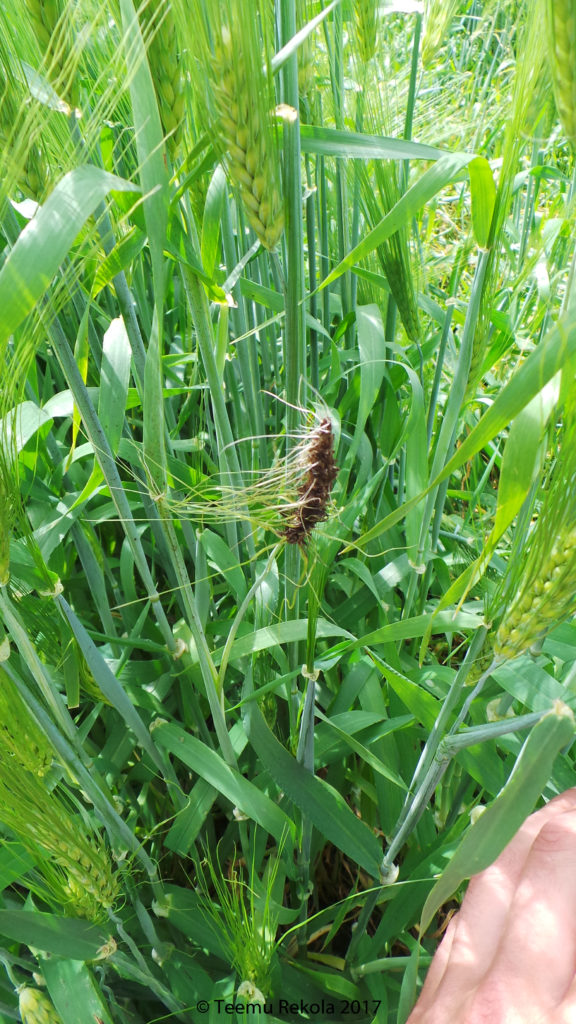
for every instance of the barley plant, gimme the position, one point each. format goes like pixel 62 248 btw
pixel 287 491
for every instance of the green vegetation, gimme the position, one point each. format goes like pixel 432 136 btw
pixel 287 492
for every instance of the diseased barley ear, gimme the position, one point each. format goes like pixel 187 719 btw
pixel 561 25
pixel 316 457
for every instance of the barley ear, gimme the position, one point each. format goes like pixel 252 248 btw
pixel 165 67
pixel 53 27
pixel 437 17
pixel 36 1008
pixel 20 737
pixel 366 14
pixel 541 580
pixel 561 25
pixel 241 99
pixel 542 602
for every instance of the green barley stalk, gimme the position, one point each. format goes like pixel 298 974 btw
pixel 528 74
pixel 561 28
pixel 378 183
pixel 240 104
pixel 394 254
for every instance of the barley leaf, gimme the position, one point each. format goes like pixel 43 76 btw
pixel 45 241
pixel 321 804
pixel 115 376
pixel 76 995
pixel 499 822
pixel 239 791
pixel 61 936
pixel 444 171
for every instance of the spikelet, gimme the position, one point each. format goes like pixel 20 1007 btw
pixel 36 1008
pixel 437 17
pixel 561 24
pixel 316 458
pixel 164 60
pixel 242 100
pixel 22 165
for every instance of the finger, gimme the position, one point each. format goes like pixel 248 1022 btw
pixel 566 1013
pixel 434 975
pixel 537 951
pixel 496 885
pixel 473 937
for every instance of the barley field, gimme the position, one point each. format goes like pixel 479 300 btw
pixel 287 492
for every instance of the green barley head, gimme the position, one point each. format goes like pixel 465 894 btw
pixel 53 26
pixel 437 17
pixel 21 740
pixel 561 26
pixel 159 25
pixel 36 1008
pixel 72 862
pixel 540 590
pixel 246 927
pixel 239 106
pixel 366 18
pixel 306 54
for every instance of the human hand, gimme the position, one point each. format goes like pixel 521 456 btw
pixel 509 955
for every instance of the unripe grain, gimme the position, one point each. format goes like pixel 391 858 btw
pixel 20 738
pixel 72 860
pixel 53 30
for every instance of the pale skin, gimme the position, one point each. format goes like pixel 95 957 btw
pixel 509 955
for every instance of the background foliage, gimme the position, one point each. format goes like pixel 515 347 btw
pixel 235 234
